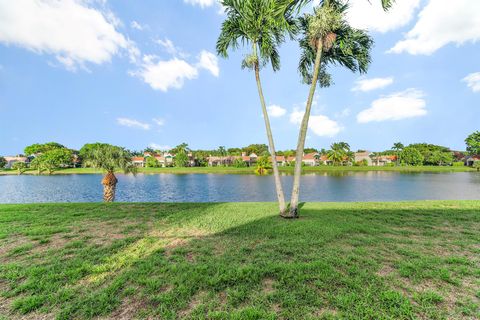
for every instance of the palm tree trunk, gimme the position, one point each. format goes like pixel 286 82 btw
pixel 109 187
pixel 276 173
pixel 303 134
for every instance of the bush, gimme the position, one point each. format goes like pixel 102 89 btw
pixel 363 163
pixel 3 162
pixel 458 164
pixel 152 162
pixel 239 163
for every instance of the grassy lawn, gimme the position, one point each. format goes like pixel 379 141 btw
pixel 410 260
pixel 287 170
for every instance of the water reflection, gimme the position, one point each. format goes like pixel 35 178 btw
pixel 327 186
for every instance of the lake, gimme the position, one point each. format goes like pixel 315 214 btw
pixel 350 186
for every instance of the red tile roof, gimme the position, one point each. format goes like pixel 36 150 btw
pixel 138 159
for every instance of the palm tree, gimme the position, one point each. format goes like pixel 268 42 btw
pixel 263 165
pixel 110 158
pixel 336 156
pixel 261 25
pixel 398 146
pixel 338 152
pixel 327 39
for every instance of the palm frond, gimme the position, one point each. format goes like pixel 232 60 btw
pixel 261 24
pixel 351 49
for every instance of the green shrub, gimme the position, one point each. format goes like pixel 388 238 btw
pixel 458 164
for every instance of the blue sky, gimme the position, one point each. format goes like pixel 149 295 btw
pixel 145 73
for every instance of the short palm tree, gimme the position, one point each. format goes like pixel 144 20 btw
pixel 261 25
pixel 109 159
pixel 327 39
pixel 338 152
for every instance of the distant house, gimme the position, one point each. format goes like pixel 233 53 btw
pixel 311 159
pixel 470 160
pixel 139 162
pixel 12 159
pixel 383 160
pixel 281 160
pixel 165 159
pixel 363 156
pixel 214 161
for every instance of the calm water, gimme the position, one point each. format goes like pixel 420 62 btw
pixel 358 186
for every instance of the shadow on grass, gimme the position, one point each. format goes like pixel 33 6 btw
pixel 217 261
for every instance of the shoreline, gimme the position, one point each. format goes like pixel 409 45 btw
pixel 233 170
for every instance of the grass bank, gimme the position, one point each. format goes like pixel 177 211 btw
pixel 409 260
pixel 285 170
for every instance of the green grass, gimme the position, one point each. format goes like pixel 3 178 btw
pixel 408 260
pixel 286 170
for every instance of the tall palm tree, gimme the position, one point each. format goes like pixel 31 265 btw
pixel 327 39
pixel 110 158
pixel 398 146
pixel 261 25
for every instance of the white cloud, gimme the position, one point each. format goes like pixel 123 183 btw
pixel 135 25
pixel 364 14
pixel 201 3
pixel 365 85
pixel 164 75
pixel 209 61
pixel 168 46
pixel 133 123
pixel 72 30
pixel 156 146
pixel 397 106
pixel 159 121
pixel 473 81
pixel 320 125
pixel 442 22
pixel 276 111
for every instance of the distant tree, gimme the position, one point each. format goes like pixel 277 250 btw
pixel 152 162
pixel 110 158
pixel 427 150
pixel 339 151
pixel 51 160
pixel 88 149
pixel 21 167
pixel 35 164
pixel 222 151
pixel 411 156
pixel 476 165
pixel 473 143
pixel 441 158
pixel 397 147
pixel 289 153
pixel 258 149
pixel 3 162
pixel 336 156
pixel 264 165
pixel 148 149
pixel 181 159
pixel 183 147
pixel 310 150
pixel 234 151
pixel 41 148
